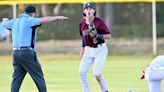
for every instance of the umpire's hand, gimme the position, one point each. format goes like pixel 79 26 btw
pixel 62 17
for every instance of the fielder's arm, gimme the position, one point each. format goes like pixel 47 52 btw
pixel 52 18
pixel 103 36
pixel 82 47
pixel 82 52
pixel 107 36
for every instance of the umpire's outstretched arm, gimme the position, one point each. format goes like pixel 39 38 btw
pixel 52 18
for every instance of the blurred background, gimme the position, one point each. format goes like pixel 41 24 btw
pixel 130 24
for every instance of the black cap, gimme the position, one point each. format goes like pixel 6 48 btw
pixel 30 9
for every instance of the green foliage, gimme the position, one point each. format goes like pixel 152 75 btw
pixel 160 20
pixel 5 12
pixel 132 13
pixel 160 29
pixel 131 20
pixel 130 31
pixel 160 13
pixel 63 30
pixel 128 20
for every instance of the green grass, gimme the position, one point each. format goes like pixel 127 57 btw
pixel 61 75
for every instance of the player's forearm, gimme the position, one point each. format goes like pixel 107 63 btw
pixel 82 51
pixel 82 48
pixel 51 18
pixel 107 36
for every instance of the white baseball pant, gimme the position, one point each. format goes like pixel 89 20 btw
pixel 96 56
pixel 154 77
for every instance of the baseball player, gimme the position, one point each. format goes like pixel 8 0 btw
pixel 24 40
pixel 155 73
pixel 94 32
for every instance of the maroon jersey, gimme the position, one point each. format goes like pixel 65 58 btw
pixel 100 27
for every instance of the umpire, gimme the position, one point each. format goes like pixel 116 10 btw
pixel 24 39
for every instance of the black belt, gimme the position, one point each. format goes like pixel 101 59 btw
pixel 95 46
pixel 23 48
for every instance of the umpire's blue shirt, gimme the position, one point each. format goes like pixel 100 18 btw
pixel 23 30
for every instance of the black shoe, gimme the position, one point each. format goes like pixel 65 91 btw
pixel 106 91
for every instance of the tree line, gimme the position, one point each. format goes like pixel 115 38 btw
pixel 125 20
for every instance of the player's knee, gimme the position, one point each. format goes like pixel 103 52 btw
pixel 82 73
pixel 96 73
pixel 98 77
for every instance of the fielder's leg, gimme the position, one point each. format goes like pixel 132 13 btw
pixel 154 79
pixel 85 64
pixel 154 86
pixel 99 64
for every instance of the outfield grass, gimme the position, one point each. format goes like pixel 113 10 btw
pixel 61 75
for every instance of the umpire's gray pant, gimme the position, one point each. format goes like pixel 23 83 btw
pixel 26 61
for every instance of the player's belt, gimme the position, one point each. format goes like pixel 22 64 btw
pixel 96 46
pixel 23 48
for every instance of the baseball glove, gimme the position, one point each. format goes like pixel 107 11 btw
pixel 92 30
pixel 143 75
